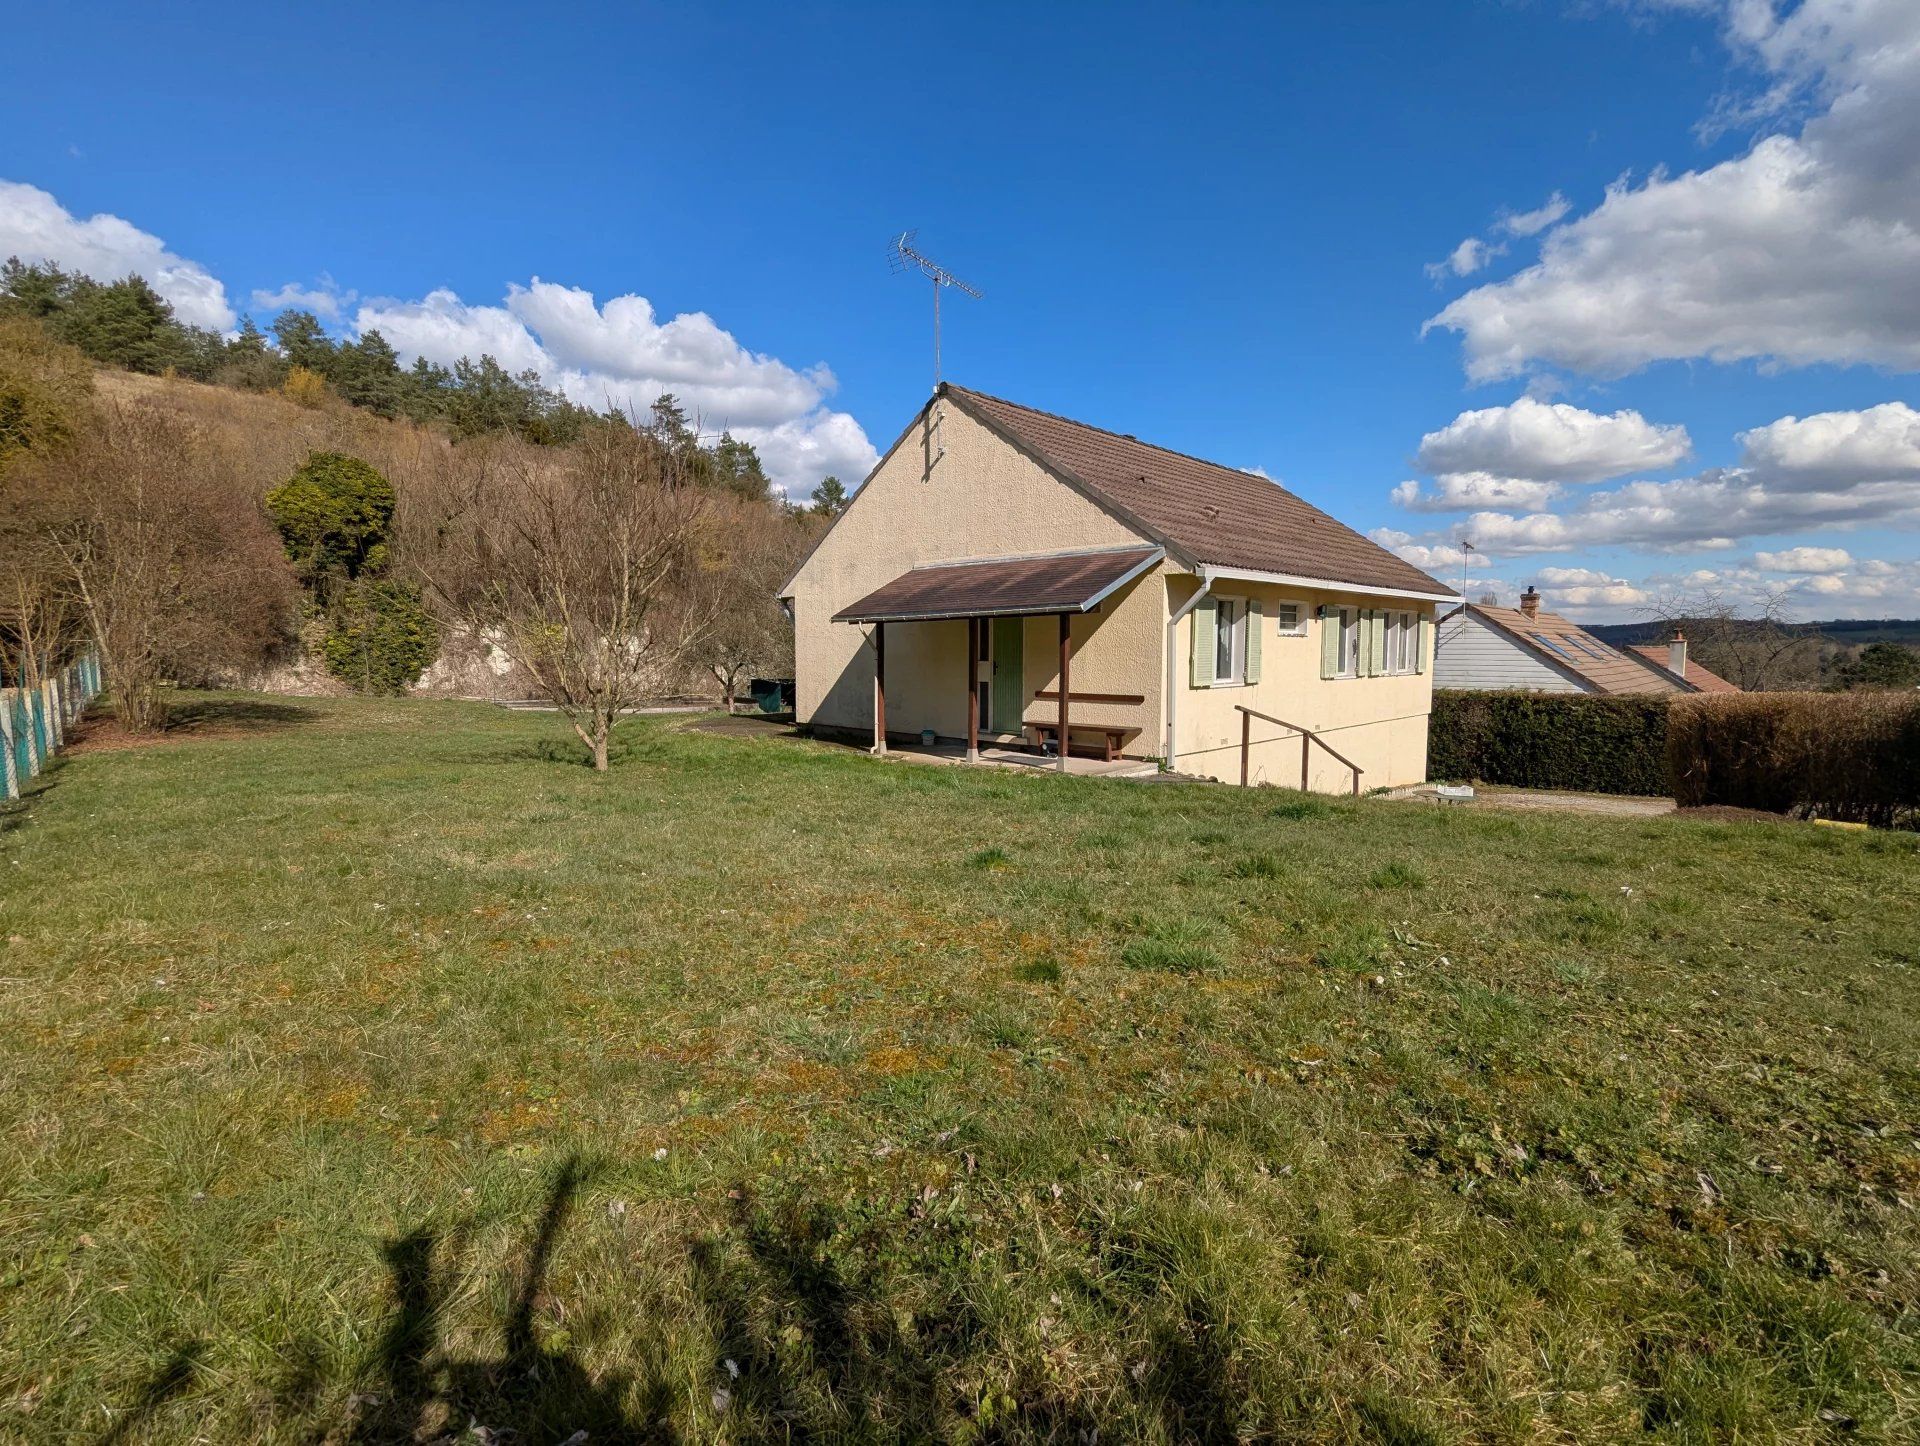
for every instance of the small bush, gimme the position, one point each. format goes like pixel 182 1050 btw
pixel 1848 756
pixel 304 388
pixel 381 638
pixel 334 515
pixel 1579 741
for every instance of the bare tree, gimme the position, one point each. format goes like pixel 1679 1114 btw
pixel 164 551
pixel 592 570
pixel 1752 646
pixel 39 625
pixel 750 632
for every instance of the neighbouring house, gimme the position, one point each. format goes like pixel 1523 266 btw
pixel 1482 647
pixel 1004 574
pixel 1672 655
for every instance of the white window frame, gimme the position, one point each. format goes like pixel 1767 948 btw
pixel 1347 619
pixel 1299 628
pixel 1236 634
pixel 1403 642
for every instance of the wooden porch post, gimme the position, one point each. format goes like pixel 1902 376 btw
pixel 879 687
pixel 973 689
pixel 1066 686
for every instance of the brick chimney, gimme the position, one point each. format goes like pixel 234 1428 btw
pixel 1530 602
pixel 1677 653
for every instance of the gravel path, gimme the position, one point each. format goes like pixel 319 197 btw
pixel 1615 804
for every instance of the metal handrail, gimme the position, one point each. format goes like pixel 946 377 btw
pixel 1307 739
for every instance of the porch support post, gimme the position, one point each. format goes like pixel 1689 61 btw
pixel 973 688
pixel 1066 684
pixel 879 687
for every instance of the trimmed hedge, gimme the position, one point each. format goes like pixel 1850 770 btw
pixel 1579 741
pixel 1848 756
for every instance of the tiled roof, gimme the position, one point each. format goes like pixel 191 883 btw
pixel 1604 667
pixel 1210 513
pixel 1001 586
pixel 1706 682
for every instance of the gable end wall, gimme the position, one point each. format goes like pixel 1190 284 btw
pixel 982 498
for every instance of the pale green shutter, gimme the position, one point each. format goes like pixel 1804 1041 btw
pixel 1329 642
pixel 1420 645
pixel 1376 646
pixel 1206 625
pixel 1254 619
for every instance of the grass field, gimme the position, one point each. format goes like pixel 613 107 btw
pixel 371 1070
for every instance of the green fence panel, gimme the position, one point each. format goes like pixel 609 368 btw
pixel 29 711
pixel 9 777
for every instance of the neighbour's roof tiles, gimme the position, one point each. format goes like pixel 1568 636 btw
pixel 1211 513
pixel 1065 582
pixel 1706 682
pixel 1603 667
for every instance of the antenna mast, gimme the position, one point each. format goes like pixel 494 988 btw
pixel 902 257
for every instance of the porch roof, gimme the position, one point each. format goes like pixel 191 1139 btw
pixel 1061 582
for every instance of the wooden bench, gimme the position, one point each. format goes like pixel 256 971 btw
pixel 1112 740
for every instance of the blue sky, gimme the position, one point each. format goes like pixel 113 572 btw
pixel 1222 228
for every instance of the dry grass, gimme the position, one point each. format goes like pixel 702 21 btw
pixel 373 1071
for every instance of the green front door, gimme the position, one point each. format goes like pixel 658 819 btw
pixel 1009 691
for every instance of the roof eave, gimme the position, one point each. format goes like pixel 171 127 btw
pixel 1154 557
pixel 1325 584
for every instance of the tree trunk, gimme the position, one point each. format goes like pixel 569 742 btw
pixel 600 731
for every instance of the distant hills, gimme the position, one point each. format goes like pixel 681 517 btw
pixel 1856 631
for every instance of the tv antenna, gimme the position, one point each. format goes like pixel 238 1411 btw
pixel 902 257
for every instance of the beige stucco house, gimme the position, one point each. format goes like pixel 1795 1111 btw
pixel 996 551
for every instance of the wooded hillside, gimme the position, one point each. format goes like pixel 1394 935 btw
pixel 285 534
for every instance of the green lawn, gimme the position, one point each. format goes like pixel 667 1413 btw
pixel 371 1069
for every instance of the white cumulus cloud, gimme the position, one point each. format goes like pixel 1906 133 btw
pixel 1532 223
pixel 325 299
pixel 1846 470
pixel 1468 257
pixel 621 354
pixel 1552 442
pixel 1835 448
pixel 38 229
pixel 1804 559
pixel 1801 250
pixel 1438 558
pixel 1463 491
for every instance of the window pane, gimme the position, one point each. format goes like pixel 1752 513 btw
pixel 1223 641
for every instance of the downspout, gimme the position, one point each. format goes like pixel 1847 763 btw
pixel 1173 689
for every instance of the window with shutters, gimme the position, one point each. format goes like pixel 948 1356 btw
pixel 1230 643
pixel 1403 642
pixel 1348 621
